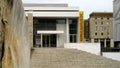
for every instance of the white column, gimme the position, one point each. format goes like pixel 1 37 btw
pixel 57 41
pixel 99 40
pixel 105 43
pixel 111 43
pixel 41 41
pixel 67 30
pixel 92 40
pixel 49 41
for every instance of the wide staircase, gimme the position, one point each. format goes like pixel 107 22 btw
pixel 68 58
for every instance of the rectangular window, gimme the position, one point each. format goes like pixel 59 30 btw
pixel 96 28
pixel 102 28
pixel 108 29
pixel 60 21
pixel 73 30
pixel 101 23
pixel 95 33
pixel 44 24
pixel 101 33
pixel 96 40
pixel 96 23
pixel 72 38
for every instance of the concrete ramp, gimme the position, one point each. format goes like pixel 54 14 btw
pixel 69 58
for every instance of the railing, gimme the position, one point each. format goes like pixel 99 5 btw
pixel 110 49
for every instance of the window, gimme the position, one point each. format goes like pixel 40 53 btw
pixel 101 33
pixel 60 21
pixel 96 28
pixel 86 24
pixel 101 23
pixel 96 40
pixel 73 38
pixel 73 26
pixel 95 33
pixel 73 30
pixel 108 42
pixel 44 24
pixel 96 23
pixel 107 23
pixel 108 29
pixel 102 28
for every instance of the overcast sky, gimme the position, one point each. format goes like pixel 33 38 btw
pixel 87 6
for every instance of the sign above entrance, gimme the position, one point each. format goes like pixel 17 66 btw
pixel 50 32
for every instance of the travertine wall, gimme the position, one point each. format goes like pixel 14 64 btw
pixel 2 32
pixel 30 24
pixel 15 27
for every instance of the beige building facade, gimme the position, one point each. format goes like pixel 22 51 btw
pixel 101 28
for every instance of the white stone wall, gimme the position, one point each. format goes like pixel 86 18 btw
pixel 116 16
pixel 61 37
pixel 93 48
pixel 112 55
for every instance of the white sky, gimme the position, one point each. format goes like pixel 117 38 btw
pixel 87 6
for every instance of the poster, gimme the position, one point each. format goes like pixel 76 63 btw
pixel 81 14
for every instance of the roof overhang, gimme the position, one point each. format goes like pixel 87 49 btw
pixel 50 32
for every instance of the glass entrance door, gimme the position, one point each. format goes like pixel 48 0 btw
pixel 49 40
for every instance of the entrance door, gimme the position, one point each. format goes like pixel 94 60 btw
pixel 49 40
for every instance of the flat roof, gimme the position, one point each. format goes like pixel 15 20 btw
pixel 101 14
pixel 45 5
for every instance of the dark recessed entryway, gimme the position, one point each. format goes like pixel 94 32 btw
pixel 49 40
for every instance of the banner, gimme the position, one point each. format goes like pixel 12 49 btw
pixel 81 14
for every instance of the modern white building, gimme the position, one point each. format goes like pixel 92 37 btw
pixel 116 26
pixel 53 24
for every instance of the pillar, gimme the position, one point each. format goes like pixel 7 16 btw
pixel 41 41
pixel 111 43
pixel 67 30
pixel 105 43
pixel 99 40
pixel 92 40
pixel 57 41
pixel 30 24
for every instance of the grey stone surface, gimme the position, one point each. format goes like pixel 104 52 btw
pixel 69 58
pixel 61 37
pixel 116 16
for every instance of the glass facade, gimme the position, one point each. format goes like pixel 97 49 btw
pixel 73 30
pixel 46 24
pixel 50 24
